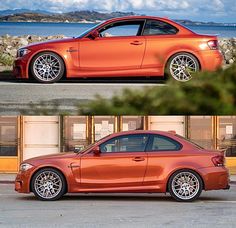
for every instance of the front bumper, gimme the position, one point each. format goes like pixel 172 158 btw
pixel 20 68
pixel 22 182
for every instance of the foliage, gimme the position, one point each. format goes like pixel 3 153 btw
pixel 6 60
pixel 43 108
pixel 208 93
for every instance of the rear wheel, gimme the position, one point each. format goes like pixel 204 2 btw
pixel 182 66
pixel 185 185
pixel 47 67
pixel 48 184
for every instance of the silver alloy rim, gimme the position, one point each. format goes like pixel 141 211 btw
pixel 47 67
pixel 185 185
pixel 48 184
pixel 182 67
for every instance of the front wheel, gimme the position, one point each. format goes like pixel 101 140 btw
pixel 47 67
pixel 185 185
pixel 48 184
pixel 182 66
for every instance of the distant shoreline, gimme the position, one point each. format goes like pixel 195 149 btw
pixel 92 22
pixel 56 22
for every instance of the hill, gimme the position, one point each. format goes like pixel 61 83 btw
pixel 76 16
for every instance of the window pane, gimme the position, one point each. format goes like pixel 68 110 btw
pixel 129 143
pixel 154 27
pixel 130 123
pixel 164 143
pixel 227 135
pixel 8 136
pixel 121 29
pixel 75 133
pixel 104 125
pixel 200 131
pixel 8 150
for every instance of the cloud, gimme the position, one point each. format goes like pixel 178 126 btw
pixel 114 5
pixel 183 8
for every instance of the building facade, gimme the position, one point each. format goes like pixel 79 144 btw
pixel 23 137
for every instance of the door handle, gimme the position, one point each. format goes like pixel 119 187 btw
pixel 138 159
pixel 136 42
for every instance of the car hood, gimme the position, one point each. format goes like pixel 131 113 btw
pixel 51 156
pixel 59 41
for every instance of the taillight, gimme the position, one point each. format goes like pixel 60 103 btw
pixel 218 160
pixel 213 44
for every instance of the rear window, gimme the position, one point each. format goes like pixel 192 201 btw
pixel 194 144
pixel 163 143
pixel 155 27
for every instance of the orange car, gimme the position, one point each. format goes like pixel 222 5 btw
pixel 132 161
pixel 129 46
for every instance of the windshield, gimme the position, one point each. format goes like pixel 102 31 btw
pixel 89 30
pixel 91 145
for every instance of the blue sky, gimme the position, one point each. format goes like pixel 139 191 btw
pixel 200 10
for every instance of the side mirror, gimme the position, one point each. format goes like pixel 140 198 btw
pixel 96 150
pixel 94 34
pixel 77 149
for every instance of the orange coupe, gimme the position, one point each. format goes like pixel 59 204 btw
pixel 132 161
pixel 120 47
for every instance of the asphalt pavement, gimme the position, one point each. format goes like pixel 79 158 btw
pixel 213 209
pixel 19 97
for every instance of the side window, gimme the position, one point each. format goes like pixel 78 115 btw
pixel 126 143
pixel 154 27
pixel 130 28
pixel 163 143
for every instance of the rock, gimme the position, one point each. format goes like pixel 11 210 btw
pixel 23 42
pixel 11 52
pixel 228 55
pixel 34 38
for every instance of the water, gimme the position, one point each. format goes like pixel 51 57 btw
pixel 74 29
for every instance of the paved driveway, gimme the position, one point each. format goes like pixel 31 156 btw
pixel 213 209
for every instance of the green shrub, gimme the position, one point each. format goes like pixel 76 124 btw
pixel 6 60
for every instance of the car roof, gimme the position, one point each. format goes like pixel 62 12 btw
pixel 183 30
pixel 139 17
pixel 143 132
pixel 166 19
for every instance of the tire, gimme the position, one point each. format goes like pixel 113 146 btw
pixel 182 66
pixel 47 67
pixel 45 187
pixel 186 190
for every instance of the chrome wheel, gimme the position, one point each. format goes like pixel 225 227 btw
pixel 182 66
pixel 48 184
pixel 47 67
pixel 185 185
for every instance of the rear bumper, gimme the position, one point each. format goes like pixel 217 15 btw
pixel 211 60
pixel 215 178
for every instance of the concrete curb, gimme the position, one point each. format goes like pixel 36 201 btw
pixel 7 182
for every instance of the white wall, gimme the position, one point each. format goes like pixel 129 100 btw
pixel 41 136
pixel 168 123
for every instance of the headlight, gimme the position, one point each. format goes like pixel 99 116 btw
pixel 23 51
pixel 25 166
